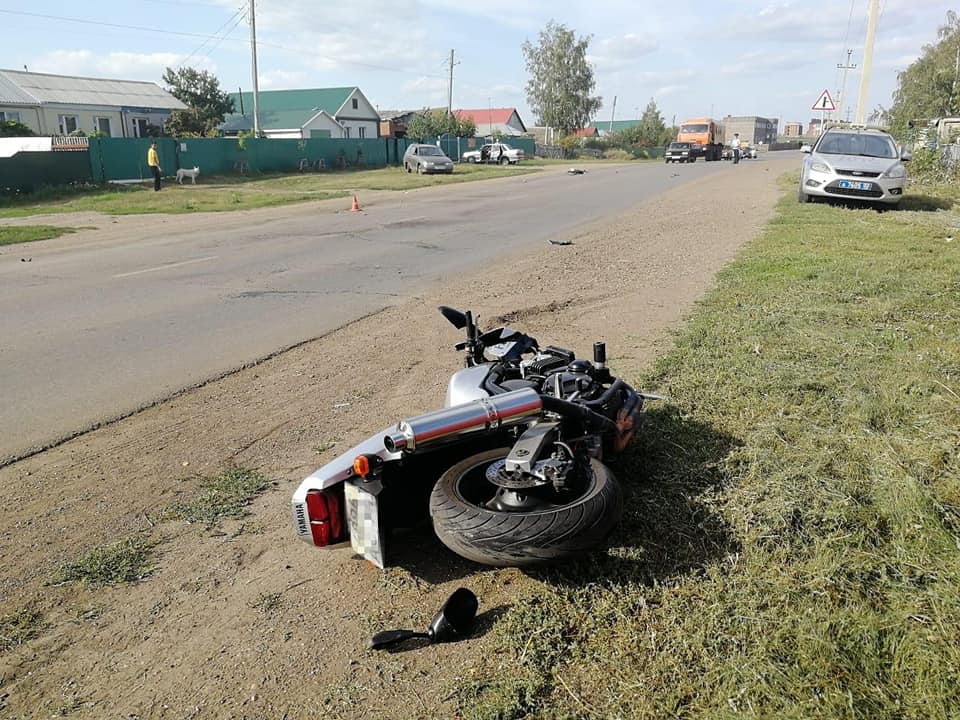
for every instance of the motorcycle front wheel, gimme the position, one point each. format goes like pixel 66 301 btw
pixel 542 535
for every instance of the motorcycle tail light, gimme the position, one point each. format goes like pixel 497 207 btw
pixel 325 510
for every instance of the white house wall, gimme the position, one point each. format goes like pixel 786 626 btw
pixel 322 121
pixel 85 115
pixel 363 116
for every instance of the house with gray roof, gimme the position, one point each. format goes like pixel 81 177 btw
pixel 62 104
pixel 342 112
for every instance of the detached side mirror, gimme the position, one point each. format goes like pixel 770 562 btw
pixel 906 155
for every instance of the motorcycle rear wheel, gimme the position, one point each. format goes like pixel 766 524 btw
pixel 520 538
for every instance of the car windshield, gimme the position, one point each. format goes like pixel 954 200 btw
pixel 430 150
pixel 878 146
pixel 679 146
pixel 693 128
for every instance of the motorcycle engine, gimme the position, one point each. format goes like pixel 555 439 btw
pixel 575 381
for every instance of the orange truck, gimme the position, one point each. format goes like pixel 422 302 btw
pixel 704 135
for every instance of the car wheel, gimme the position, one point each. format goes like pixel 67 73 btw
pixel 504 160
pixel 419 169
pixel 407 167
pixel 802 196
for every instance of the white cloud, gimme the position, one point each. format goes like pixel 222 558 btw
pixel 621 51
pixel 121 65
pixel 282 79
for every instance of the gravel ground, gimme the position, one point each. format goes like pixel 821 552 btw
pixel 242 620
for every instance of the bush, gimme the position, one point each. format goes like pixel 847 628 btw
pixel 12 128
pixel 928 166
pixel 617 154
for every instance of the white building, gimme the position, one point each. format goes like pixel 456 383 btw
pixel 318 112
pixel 62 104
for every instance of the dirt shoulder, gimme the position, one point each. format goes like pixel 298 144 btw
pixel 243 620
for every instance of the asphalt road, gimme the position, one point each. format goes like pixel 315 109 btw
pixel 92 329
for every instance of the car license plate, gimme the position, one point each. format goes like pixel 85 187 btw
pixel 856 185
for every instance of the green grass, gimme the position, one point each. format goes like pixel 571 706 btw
pixel 227 495
pixel 19 627
pixel 227 193
pixel 12 234
pixel 122 562
pixel 791 539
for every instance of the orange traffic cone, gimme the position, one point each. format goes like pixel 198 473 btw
pixel 356 206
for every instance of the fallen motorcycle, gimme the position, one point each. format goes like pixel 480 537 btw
pixel 511 470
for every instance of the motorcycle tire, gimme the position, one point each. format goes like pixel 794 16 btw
pixel 521 538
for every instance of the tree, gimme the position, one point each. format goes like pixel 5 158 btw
pixel 200 92
pixel 930 87
pixel 561 79
pixel 434 123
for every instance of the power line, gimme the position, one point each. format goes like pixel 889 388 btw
pixel 299 51
pixel 216 32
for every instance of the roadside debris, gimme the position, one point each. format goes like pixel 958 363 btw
pixel 576 171
pixel 453 622
pixel 561 242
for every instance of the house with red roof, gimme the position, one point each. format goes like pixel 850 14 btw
pixel 494 121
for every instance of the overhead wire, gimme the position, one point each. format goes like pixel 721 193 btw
pixel 241 12
pixel 180 33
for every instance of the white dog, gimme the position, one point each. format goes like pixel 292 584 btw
pixel 186 173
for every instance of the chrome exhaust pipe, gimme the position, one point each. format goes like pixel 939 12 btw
pixel 481 415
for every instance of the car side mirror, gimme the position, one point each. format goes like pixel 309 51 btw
pixel 806 148
pixel 906 155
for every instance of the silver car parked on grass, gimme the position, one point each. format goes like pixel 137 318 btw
pixel 426 159
pixel 858 163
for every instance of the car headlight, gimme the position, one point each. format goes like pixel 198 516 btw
pixel 427 164
pixel 820 167
pixel 897 171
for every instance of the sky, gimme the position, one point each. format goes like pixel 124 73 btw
pixel 771 58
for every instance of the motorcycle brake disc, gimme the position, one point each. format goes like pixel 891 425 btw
pixel 497 475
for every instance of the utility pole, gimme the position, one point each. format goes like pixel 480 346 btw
pixel 253 68
pixel 872 17
pixel 613 112
pixel 842 95
pixel 450 86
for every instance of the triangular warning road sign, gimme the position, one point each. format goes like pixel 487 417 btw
pixel 824 102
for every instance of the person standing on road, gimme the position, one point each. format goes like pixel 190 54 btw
pixel 153 160
pixel 735 145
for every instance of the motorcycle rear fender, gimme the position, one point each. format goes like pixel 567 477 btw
pixel 362 510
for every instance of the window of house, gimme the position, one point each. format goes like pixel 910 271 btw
pixel 139 127
pixel 361 132
pixel 356 103
pixel 346 131
pixel 68 124
pixel 10 116
pixel 102 125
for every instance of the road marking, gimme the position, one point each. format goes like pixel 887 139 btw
pixel 166 267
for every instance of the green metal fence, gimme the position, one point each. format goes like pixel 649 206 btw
pixel 118 159
pixel 26 172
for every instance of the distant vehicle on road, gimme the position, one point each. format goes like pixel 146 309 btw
pixel 861 163
pixel 680 152
pixel 426 159
pixel 498 153
pixel 705 137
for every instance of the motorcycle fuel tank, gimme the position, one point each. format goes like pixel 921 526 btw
pixel 466 385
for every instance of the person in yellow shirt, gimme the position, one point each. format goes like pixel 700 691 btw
pixel 153 160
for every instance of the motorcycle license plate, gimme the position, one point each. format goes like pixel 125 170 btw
pixel 850 185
